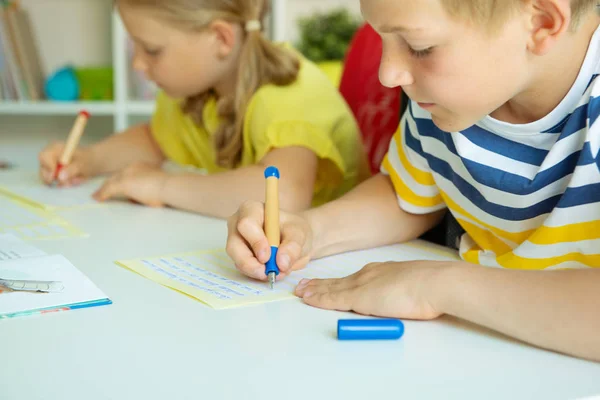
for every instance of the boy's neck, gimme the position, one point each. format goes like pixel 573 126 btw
pixel 555 74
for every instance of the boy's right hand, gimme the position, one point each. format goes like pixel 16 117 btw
pixel 248 247
pixel 76 172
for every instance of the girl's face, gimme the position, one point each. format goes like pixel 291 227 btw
pixel 182 63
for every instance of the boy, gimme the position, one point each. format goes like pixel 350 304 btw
pixel 502 131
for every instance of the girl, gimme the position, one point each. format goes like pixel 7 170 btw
pixel 231 103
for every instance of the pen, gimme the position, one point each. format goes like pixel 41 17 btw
pixel 72 142
pixel 272 221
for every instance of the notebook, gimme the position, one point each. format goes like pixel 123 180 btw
pixel 25 263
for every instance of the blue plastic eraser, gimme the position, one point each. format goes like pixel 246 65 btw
pixel 370 329
pixel 272 171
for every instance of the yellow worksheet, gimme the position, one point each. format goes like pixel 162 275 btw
pixel 28 222
pixel 211 277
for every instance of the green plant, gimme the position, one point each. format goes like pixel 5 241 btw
pixel 326 36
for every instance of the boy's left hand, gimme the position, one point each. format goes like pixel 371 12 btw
pixel 391 289
pixel 140 182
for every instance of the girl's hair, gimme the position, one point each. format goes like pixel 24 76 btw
pixel 261 62
pixel 493 13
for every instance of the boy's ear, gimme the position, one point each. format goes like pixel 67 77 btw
pixel 225 34
pixel 550 19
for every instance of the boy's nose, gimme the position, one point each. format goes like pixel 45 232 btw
pixel 393 71
pixel 393 75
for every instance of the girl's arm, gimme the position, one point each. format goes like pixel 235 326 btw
pixel 221 194
pixel 136 144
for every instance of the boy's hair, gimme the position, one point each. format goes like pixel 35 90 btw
pixel 493 13
pixel 261 62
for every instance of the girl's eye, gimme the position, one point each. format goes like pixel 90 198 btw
pixel 420 53
pixel 152 52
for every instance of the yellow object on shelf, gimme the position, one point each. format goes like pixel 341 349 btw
pixel 333 70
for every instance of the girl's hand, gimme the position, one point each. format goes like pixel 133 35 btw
pixel 78 170
pixel 142 183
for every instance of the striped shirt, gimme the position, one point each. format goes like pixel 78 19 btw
pixel 527 196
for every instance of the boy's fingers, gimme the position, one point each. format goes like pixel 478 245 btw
pixel 244 259
pixel 290 249
pixel 330 300
pixel 250 227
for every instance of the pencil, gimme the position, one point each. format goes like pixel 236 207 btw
pixel 72 142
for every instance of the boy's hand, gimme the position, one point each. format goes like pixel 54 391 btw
pixel 248 247
pixel 390 289
pixel 78 170
pixel 142 183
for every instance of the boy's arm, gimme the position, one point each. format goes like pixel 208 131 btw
pixel 134 145
pixel 557 310
pixel 368 216
pixel 221 194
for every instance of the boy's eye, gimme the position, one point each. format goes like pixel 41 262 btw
pixel 420 53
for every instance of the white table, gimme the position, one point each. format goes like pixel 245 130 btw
pixel 155 343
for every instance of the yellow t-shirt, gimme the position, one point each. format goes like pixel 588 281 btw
pixel 309 112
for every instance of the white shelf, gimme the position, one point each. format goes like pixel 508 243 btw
pixel 140 107
pixel 122 110
pixel 56 107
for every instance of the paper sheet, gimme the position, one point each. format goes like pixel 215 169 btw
pixel 211 277
pixel 28 222
pixel 13 248
pixel 26 187
pixel 77 287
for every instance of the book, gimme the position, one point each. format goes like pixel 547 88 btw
pixel 23 262
pixel 27 52
pixel 10 52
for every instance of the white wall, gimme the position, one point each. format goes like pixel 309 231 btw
pixel 71 31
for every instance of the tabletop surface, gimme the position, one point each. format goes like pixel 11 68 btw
pixel 156 343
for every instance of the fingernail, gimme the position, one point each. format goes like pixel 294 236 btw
pixel 285 261
pixel 307 295
pixel 262 255
pixel 62 176
pixel 303 283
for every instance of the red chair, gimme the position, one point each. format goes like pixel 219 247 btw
pixel 375 107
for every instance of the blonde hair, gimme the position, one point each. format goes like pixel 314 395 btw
pixel 493 13
pixel 261 62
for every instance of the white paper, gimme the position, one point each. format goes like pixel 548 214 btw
pixel 27 187
pixel 13 248
pixel 77 287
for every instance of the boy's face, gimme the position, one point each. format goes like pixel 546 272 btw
pixel 455 71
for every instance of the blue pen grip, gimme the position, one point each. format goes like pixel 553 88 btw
pixel 271 265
